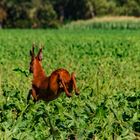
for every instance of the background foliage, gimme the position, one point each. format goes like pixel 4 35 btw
pixel 106 63
pixel 52 13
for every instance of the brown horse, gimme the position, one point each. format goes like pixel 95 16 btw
pixel 48 88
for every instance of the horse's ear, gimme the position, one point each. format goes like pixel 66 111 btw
pixel 32 51
pixel 40 55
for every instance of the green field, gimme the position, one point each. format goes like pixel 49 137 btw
pixel 107 65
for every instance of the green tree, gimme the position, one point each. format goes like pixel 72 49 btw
pixel 42 14
pixel 132 8
pixel 49 13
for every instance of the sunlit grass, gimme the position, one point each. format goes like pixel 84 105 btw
pixel 109 22
pixel 107 65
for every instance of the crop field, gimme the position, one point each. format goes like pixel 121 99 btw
pixel 108 22
pixel 107 67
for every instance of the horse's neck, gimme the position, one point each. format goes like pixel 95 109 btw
pixel 38 74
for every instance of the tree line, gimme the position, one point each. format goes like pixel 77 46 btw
pixel 53 13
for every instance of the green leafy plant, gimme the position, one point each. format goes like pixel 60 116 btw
pixel 106 63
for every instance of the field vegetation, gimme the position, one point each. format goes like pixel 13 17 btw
pixel 108 22
pixel 107 65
